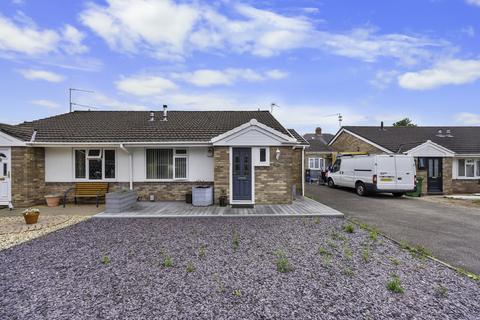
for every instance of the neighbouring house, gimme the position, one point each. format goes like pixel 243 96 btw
pixel 318 155
pixel 247 155
pixel 448 158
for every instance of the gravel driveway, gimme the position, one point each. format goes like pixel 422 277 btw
pixel 225 268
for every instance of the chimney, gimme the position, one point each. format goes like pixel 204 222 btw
pixel 165 112
pixel 152 116
pixel 381 126
pixel 318 131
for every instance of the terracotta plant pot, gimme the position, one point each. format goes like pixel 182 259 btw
pixel 53 201
pixel 31 218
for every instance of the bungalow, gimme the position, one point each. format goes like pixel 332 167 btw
pixel 318 155
pixel 247 155
pixel 447 157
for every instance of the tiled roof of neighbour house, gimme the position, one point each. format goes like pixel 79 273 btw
pixel 134 126
pixel 297 136
pixel 461 140
pixel 318 142
pixel 20 132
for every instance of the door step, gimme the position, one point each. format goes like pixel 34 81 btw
pixel 243 206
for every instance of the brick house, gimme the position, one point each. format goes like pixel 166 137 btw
pixel 248 155
pixel 448 158
pixel 318 155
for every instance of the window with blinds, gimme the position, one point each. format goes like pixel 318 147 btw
pixel 165 164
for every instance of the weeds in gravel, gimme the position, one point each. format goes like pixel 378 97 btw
pixel 349 228
pixel 471 275
pixel 201 251
pixel 347 253
pixel 327 260
pixel 237 293
pixel 220 284
pixel 283 265
pixel 404 245
pixel 337 237
pixel 395 285
pixel 105 259
pixel 366 254
pixel 317 220
pixel 235 241
pixel 167 262
pixel 332 244
pixel 441 291
pixel 322 251
pixel 373 235
pixel 348 272
pixel 190 267
pixel 395 262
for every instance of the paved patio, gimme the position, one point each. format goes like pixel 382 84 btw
pixel 300 207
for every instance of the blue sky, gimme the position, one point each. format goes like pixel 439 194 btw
pixel 368 60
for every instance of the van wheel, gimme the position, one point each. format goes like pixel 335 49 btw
pixel 398 195
pixel 360 188
pixel 331 184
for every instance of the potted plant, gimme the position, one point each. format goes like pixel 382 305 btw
pixel 223 200
pixel 31 215
pixel 52 200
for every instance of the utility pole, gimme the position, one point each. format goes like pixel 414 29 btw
pixel 340 118
pixel 70 96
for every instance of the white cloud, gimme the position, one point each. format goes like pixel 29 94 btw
pixel 469 31
pixel 24 37
pixel 33 74
pixel 170 30
pixel 209 77
pixel 474 2
pixel 384 78
pixel 145 85
pixel 45 103
pixel 466 118
pixel 448 72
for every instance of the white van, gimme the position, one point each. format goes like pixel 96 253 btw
pixel 394 174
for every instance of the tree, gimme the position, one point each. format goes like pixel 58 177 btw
pixel 406 122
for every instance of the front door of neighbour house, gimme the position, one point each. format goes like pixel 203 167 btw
pixel 242 174
pixel 434 175
pixel 5 181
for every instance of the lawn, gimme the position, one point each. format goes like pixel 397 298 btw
pixel 190 268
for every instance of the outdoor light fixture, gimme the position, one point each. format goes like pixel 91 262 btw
pixel 152 197
pixel 210 152
pixel 277 154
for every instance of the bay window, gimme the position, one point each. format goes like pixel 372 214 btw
pixel 166 164
pixel 469 168
pixel 94 164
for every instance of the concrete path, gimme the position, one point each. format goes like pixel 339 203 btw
pixel 451 233
pixel 300 207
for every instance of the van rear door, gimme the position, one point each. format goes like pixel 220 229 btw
pixel 405 172
pixel 386 173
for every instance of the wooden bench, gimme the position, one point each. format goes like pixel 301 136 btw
pixel 87 190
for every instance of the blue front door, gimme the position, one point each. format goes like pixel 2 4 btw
pixel 242 174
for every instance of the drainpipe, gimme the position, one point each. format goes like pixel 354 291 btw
pixel 130 162
pixel 303 171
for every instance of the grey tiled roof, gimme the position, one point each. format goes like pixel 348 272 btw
pixel 463 140
pixel 134 126
pixel 318 143
pixel 297 136
pixel 19 132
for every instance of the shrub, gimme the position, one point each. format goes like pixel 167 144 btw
pixel 283 265
pixel 190 267
pixel 349 228
pixel 395 285
pixel 167 262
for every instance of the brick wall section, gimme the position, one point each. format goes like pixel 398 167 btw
pixel 163 191
pixel 273 184
pixel 349 143
pixel 466 186
pixel 447 164
pixel 28 176
pixel 297 170
pixel 221 171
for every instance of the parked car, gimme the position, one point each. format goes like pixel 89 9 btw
pixel 394 174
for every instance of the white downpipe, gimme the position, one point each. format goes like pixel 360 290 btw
pixel 303 171
pixel 130 162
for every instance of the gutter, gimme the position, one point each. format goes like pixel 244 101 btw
pixel 130 162
pixel 303 171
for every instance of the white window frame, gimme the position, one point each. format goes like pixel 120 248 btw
pixel 320 162
pixel 476 168
pixel 267 157
pixel 175 156
pixel 87 169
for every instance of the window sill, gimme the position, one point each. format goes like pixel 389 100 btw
pixel 466 178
